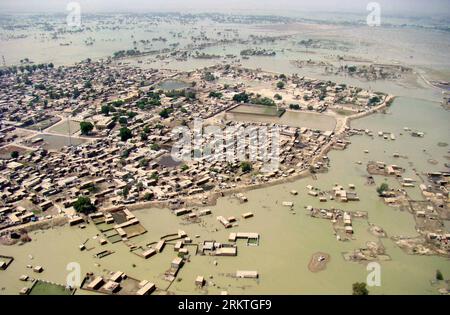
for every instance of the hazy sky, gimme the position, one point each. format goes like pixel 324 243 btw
pixel 406 7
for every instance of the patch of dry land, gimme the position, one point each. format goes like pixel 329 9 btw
pixel 318 262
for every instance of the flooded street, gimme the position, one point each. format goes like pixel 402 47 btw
pixel 289 118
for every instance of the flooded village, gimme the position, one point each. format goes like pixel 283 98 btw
pixel 89 178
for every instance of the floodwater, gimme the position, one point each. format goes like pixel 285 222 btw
pixel 287 240
pixel 289 118
pixel 66 127
pixel 169 85
pixel 167 161
pixel 54 142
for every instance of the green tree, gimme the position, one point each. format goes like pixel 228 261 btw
pixel 76 93
pixel 84 205
pixel 125 134
pixel 14 154
pixel 143 162
pixel 266 101
pixel 439 275
pixel 214 94
pixel 155 147
pixel 360 288
pixel 164 113
pixel 123 121
pixel 140 186
pixel 246 167
pixel 118 102
pixel 125 153
pixel 184 167
pixel 208 76
pixel 88 84
pixel 374 100
pixel 351 69
pixel 144 136
pixel 382 188
pixel 148 196
pixel 125 191
pixel 86 127
pixel 92 188
pixel 280 85
pixel 132 114
pixel 105 110
pixel 241 97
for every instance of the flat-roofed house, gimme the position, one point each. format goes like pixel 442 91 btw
pixel 148 253
pixel 176 262
pixel 147 289
pixel 118 276
pixel 226 251
pixel 160 246
pixel 14 166
pixel 199 281
pixel 224 222
pixel 111 287
pixel 247 274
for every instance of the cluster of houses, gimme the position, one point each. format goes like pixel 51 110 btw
pixel 338 193
pixel 436 192
pixel 372 72
pixel 315 94
pixel 381 168
pixel 118 283
pixel 342 220
pixel 114 171
pixel 429 213
pixel 438 187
